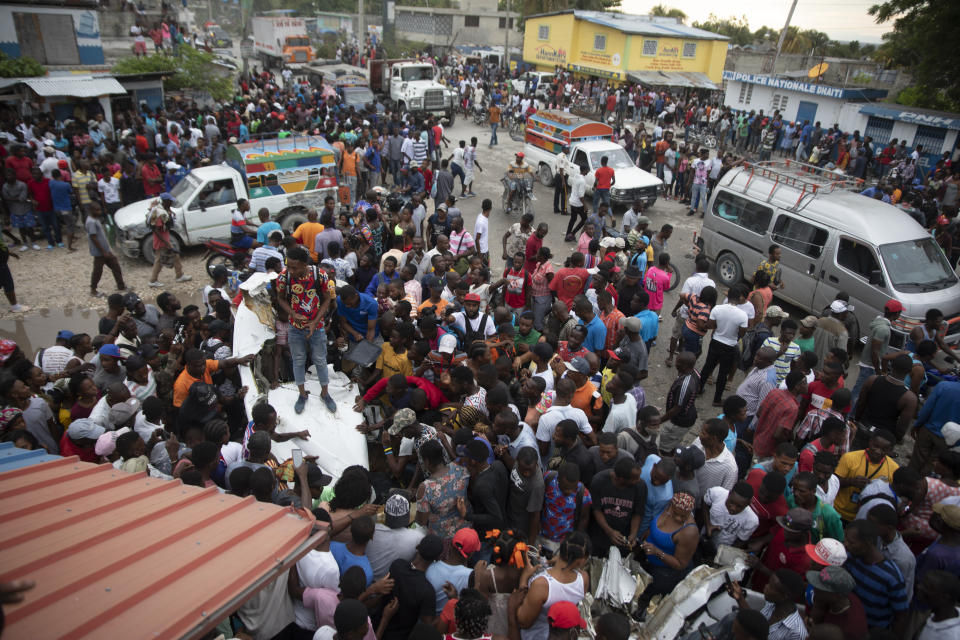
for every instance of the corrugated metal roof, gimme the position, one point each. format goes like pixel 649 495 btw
pixel 689 79
pixel 120 555
pixel 640 25
pixel 12 458
pixel 75 86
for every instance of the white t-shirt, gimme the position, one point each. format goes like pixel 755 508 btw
pixel 549 420
pixel 460 318
pixel 833 488
pixel 749 309
pixel 693 286
pixel 55 359
pixel 948 629
pixel 732 527
pixel 110 190
pixel 548 378
pixel 729 319
pixel 622 416
pixel 458 156
pixel 481 233
pixel 317 569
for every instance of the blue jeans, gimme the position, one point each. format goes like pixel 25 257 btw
pixel 600 195
pixel 395 170
pixel 865 372
pixel 51 227
pixel 493 133
pixel 298 342
pixel 698 194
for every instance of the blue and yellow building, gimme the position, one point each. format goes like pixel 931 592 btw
pixel 651 50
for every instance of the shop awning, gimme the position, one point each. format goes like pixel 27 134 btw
pixel 75 86
pixel 688 79
pixel 122 555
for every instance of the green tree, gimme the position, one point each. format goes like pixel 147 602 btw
pixel 22 67
pixel 190 69
pixel 737 29
pixel 663 11
pixel 916 25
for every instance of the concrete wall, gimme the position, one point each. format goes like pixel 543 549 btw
pixel 448 27
pixel 858 73
pixel 58 48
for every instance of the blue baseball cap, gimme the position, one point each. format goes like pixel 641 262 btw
pixel 64 334
pixel 166 196
pixel 110 350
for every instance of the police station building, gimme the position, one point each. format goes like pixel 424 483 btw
pixel 852 108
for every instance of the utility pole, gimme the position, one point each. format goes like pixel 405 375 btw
pixel 362 35
pixel 506 40
pixel 783 36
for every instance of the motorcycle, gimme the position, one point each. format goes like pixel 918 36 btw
pixel 224 254
pixel 523 196
pixel 479 115
pixel 518 126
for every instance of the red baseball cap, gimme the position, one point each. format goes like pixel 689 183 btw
pixel 466 541
pixel 893 306
pixel 565 615
pixel 520 154
pixel 471 297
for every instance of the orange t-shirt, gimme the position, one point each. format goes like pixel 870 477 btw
pixel 305 235
pixel 181 387
pixel 440 306
pixel 584 399
pixel 349 163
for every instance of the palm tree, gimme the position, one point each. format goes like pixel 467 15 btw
pixel 662 11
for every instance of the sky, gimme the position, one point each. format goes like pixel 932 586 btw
pixel 842 20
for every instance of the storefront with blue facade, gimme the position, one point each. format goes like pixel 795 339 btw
pixel 937 131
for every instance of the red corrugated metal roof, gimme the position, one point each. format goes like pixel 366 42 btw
pixel 120 555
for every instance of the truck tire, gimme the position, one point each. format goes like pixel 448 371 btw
pixel 291 219
pixel 146 246
pixel 545 174
pixel 451 117
pixel 729 269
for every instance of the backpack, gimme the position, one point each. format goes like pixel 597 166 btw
pixel 752 340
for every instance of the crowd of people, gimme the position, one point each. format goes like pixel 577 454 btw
pixel 513 446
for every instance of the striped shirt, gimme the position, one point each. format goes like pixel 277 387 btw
pixel 461 243
pixel 790 628
pixel 881 589
pixel 782 363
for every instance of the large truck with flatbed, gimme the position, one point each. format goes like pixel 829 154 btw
pixel 412 86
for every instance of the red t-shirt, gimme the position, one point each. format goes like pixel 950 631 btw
pixel 514 294
pixel 68 448
pixel 40 191
pixel 21 166
pixel 779 556
pixel 140 143
pixel 604 177
pixel 611 102
pixel 767 512
pixel 817 388
pixel 151 172
pixel 853 621
pixel 568 283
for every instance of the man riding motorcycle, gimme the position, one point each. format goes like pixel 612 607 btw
pixel 516 171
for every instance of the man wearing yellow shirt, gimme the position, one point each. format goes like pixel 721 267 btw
pixel 856 469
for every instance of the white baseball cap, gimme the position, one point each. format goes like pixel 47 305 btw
pixel 448 343
pixel 828 551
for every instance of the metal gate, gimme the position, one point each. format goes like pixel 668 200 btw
pixel 879 129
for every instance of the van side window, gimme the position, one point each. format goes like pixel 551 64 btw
pixel 740 211
pixel 856 257
pixel 800 236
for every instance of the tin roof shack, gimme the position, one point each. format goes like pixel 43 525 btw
pixel 117 554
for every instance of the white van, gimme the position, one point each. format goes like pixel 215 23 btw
pixel 832 239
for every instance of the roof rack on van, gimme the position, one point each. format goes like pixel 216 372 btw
pixel 809 179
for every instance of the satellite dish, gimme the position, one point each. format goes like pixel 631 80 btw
pixel 818 70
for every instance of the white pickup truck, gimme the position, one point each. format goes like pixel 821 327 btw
pixel 287 176
pixel 585 143
pixel 543 80
pixel 632 183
